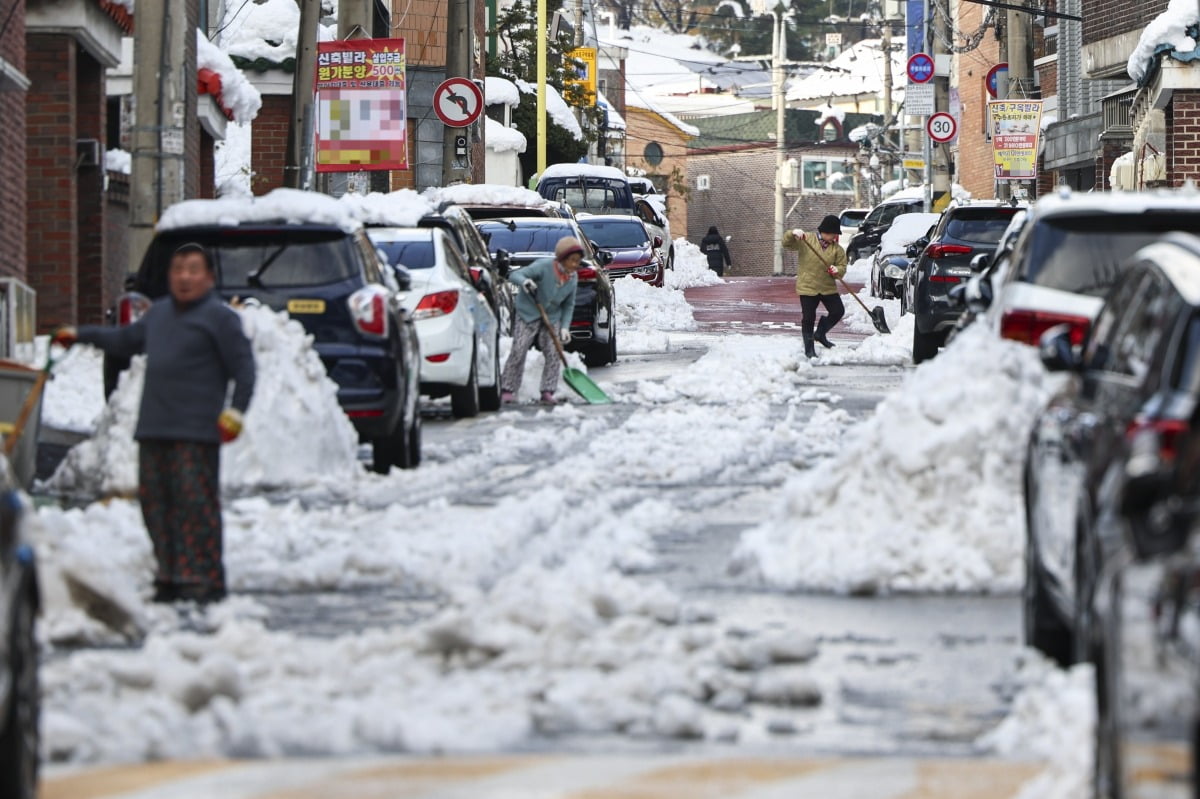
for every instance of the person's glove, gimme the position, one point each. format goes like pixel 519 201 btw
pixel 530 285
pixel 564 335
pixel 229 423
pixel 64 336
pixel 832 271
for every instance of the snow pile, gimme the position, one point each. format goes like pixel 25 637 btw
pixel 296 433
pixel 880 349
pixel 691 268
pixel 645 314
pixel 560 113
pixel 485 194
pixel 401 208
pixel 827 112
pixel 287 205
pixel 501 91
pixel 264 29
pixel 926 494
pixel 502 139
pixel 779 375
pixel 905 229
pixel 1171 31
pixel 532 376
pixel 238 96
pixel 74 397
pixel 1053 719
pixel 117 160
pixel 232 162
pixel 859 271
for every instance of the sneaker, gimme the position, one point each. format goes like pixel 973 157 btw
pixel 548 398
pixel 507 398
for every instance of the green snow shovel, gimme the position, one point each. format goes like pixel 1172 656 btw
pixel 877 317
pixel 579 382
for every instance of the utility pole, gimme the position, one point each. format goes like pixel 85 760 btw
pixel 927 39
pixel 298 171
pixel 162 81
pixel 1020 83
pixel 779 51
pixel 355 20
pixel 541 85
pixel 456 162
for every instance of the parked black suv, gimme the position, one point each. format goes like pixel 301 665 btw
pixel 593 327
pixel 333 283
pixel 19 601
pixel 962 234
pixel 871 230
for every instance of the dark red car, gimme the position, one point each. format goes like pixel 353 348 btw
pixel 634 248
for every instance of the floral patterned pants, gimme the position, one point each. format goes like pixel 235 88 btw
pixel 524 335
pixel 180 492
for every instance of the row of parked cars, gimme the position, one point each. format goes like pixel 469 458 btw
pixel 1108 287
pixel 407 295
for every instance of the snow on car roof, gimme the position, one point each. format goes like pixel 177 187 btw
pixel 1179 257
pixel 586 170
pixel 905 229
pixel 1118 202
pixel 403 208
pixel 290 206
pixel 485 194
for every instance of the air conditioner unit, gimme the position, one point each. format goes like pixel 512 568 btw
pixel 18 320
pixel 87 153
pixel 702 183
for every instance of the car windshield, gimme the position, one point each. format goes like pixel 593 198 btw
pixel 615 233
pixel 258 258
pixel 979 226
pixel 413 254
pixel 524 239
pixel 591 193
pixel 1086 254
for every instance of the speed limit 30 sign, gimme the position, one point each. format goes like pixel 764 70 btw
pixel 942 127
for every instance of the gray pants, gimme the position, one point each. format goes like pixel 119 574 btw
pixel 524 334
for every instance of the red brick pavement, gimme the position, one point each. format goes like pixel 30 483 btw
pixel 754 305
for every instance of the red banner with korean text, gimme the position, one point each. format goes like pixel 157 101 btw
pixel 362 106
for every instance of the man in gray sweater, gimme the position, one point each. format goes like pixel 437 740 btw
pixel 194 346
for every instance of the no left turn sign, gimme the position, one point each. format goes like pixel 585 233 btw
pixel 458 102
pixel 942 127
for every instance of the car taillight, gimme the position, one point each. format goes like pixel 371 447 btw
pixel 441 357
pixel 440 303
pixel 942 250
pixel 476 273
pixel 1028 326
pixel 1154 438
pixel 587 273
pixel 131 307
pixel 368 309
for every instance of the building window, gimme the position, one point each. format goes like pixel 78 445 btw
pixel 653 154
pixel 828 175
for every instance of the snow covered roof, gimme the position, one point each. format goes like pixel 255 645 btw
pixel 402 208
pixel 556 107
pixel 1173 31
pixel 857 70
pixel 288 205
pixel 485 194
pixel 264 32
pixel 231 89
pixel 660 62
pixel 501 91
pixel 828 112
pixel 503 139
pixel 636 100
pixel 615 120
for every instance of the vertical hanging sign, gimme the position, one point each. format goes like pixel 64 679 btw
pixel 914 23
pixel 362 108
pixel 1016 125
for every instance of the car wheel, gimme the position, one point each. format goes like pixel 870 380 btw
pixel 875 290
pixel 1044 630
pixel 19 734
pixel 412 443
pixel 925 345
pixel 1107 778
pixel 464 401
pixel 852 255
pixel 489 396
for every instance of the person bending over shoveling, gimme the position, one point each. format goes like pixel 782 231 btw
pixel 195 350
pixel 549 283
pixel 821 262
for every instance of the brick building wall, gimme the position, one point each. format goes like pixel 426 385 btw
pixel 12 153
pixel 741 203
pixel 91 123
pixel 974 160
pixel 270 136
pixel 1183 137
pixel 116 239
pixel 644 127
pixel 1105 18
pixel 53 241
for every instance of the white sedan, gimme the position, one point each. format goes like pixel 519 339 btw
pixel 458 331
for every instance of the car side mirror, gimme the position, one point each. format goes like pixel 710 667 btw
pixel 503 262
pixel 958 295
pixel 979 263
pixel 403 277
pixel 604 256
pixel 658 242
pixel 1056 350
pixel 866 227
pixel 913 250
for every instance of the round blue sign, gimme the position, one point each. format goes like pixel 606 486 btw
pixel 920 68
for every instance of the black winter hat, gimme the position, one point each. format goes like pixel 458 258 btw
pixel 830 224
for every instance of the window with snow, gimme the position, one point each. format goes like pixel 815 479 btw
pixel 827 175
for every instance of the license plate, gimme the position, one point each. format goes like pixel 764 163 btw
pixel 306 306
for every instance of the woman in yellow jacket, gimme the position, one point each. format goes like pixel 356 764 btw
pixel 815 276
